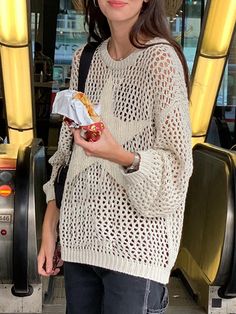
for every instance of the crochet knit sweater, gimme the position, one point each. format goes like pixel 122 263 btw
pixel 129 223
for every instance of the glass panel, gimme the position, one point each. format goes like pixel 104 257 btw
pixel 186 26
pixel 176 26
pixel 193 9
pixel 222 131
pixel 70 35
pixel 52 74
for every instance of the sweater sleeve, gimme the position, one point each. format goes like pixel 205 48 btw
pixel 160 185
pixel 60 157
pixel 75 69
pixel 63 152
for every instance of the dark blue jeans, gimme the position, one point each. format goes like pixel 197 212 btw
pixel 95 290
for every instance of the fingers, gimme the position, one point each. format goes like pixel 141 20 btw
pixel 49 266
pixel 46 269
pixel 45 265
pixel 60 263
pixel 57 269
pixel 41 266
pixel 98 148
pixel 79 140
pixel 55 272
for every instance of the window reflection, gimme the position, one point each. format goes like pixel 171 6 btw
pixel 70 35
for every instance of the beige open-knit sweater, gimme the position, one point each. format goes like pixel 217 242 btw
pixel 130 223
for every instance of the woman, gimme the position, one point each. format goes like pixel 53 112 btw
pixel 122 209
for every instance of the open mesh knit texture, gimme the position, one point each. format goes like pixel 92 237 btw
pixel 130 223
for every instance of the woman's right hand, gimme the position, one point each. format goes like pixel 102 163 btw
pixel 49 237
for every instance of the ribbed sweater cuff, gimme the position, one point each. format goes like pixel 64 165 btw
pixel 145 168
pixel 50 194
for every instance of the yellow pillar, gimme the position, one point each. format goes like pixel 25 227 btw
pixel 15 53
pixel 217 32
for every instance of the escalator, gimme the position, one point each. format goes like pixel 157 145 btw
pixel 22 205
pixel 207 257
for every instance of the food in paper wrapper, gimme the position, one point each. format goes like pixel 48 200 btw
pixel 79 113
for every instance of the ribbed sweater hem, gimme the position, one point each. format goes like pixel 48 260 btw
pixel 93 258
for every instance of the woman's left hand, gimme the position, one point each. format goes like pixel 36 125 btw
pixel 106 147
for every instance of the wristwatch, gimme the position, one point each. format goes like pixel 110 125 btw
pixel 135 164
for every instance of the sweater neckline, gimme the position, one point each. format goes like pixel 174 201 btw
pixel 129 60
pixel 117 64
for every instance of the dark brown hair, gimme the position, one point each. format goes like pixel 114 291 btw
pixel 152 22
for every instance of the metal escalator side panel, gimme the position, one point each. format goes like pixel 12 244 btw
pixel 8 157
pixel 7 177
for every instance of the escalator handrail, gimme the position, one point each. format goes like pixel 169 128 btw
pixel 229 289
pixel 21 286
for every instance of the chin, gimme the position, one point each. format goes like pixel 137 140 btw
pixel 121 18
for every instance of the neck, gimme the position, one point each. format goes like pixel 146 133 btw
pixel 120 49
pixel 120 46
